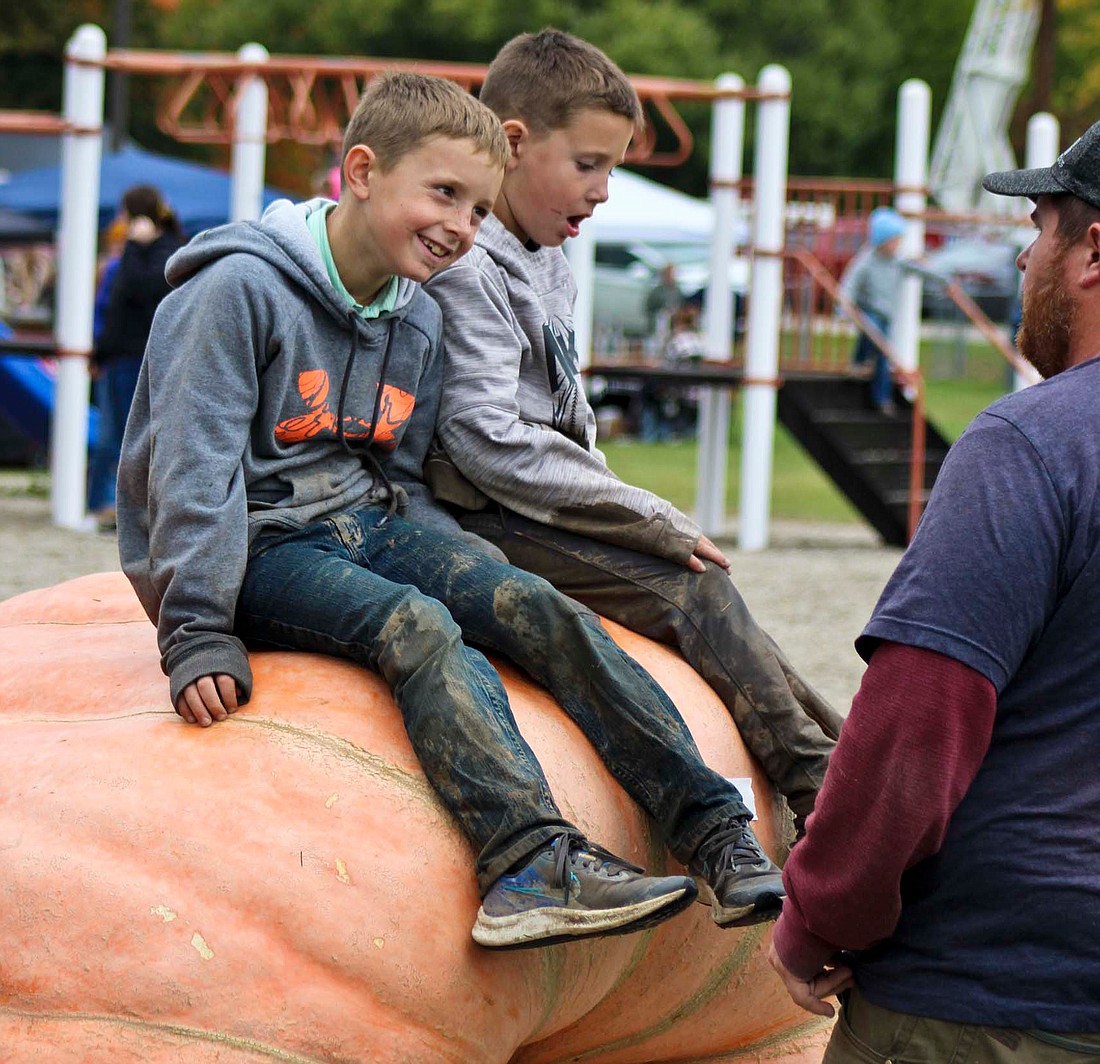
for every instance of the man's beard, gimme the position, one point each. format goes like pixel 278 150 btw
pixel 1046 323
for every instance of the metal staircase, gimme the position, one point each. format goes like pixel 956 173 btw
pixel 972 139
pixel 867 454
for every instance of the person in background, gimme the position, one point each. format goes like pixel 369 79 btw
pixel 662 301
pixel 952 864
pixel 686 346
pixel 871 281
pixel 133 289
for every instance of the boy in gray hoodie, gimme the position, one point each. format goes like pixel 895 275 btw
pixel 270 491
pixel 520 464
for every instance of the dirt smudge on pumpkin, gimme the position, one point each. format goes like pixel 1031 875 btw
pixel 201 947
pixel 163 912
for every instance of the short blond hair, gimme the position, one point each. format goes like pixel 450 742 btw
pixel 400 110
pixel 546 79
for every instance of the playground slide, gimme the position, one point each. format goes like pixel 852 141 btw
pixel 26 396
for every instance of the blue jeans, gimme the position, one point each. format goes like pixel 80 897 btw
pixel 882 382
pixel 114 392
pixel 405 601
pixel 789 728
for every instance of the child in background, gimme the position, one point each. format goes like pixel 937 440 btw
pixel 871 281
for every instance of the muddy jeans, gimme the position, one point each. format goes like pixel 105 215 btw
pixel 870 1034
pixel 788 727
pixel 404 600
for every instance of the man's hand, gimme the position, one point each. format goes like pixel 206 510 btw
pixel 208 699
pixel 810 995
pixel 706 551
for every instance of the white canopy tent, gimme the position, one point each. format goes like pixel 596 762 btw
pixel 641 210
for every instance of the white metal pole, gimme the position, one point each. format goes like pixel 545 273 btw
pixel 581 252
pixel 773 119
pixel 81 151
pixel 911 178
pixel 249 149
pixel 726 168
pixel 1043 136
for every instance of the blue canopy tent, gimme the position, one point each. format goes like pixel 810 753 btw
pixel 198 194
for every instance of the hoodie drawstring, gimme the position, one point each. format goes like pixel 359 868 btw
pixel 365 453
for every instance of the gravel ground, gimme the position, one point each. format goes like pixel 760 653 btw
pixel 813 589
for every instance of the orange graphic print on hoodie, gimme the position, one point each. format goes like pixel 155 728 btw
pixel 313 386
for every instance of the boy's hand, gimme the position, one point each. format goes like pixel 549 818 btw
pixel 706 551
pixel 208 699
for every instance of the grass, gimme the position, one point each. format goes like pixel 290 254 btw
pixel 800 491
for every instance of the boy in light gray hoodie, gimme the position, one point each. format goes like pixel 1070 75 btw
pixel 270 491
pixel 519 461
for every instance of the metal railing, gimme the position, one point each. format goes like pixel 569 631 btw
pixel 911 381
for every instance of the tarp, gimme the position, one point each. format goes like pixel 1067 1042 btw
pixel 26 396
pixel 198 194
pixel 642 211
pixel 16 228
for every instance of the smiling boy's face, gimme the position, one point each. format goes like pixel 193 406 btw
pixel 555 180
pixel 422 213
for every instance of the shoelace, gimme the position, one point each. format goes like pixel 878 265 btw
pixel 742 845
pixel 595 857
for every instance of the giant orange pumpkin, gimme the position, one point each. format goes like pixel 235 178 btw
pixel 285 886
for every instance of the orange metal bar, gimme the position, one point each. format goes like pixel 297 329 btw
pixel 981 322
pixel 311 97
pixel 33 122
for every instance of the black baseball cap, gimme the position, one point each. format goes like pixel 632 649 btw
pixel 1075 172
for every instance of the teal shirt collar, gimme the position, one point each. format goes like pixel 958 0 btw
pixel 387 296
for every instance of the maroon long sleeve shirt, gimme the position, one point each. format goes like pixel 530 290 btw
pixel 918 730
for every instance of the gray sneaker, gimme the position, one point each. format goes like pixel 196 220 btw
pixel 572 889
pixel 736 878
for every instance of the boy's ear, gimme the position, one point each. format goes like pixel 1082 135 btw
pixel 359 163
pixel 518 135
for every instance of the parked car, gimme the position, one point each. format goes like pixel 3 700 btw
pixel 625 274
pixel 984 269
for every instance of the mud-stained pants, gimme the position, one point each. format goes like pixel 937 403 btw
pixel 403 600
pixel 786 724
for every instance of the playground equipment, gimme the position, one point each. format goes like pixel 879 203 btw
pixel 220 100
pixel 285 885
pixel 250 99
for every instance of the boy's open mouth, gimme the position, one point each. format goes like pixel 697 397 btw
pixel 574 223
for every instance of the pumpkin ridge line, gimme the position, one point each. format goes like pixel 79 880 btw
pixel 768 1041
pixel 15 720
pixel 749 941
pixel 347 750
pixel 31 623
pixel 178 1029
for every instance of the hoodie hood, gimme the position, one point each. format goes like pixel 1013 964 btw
pixel 281 238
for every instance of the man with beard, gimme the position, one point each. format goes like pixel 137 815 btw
pixel 948 886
